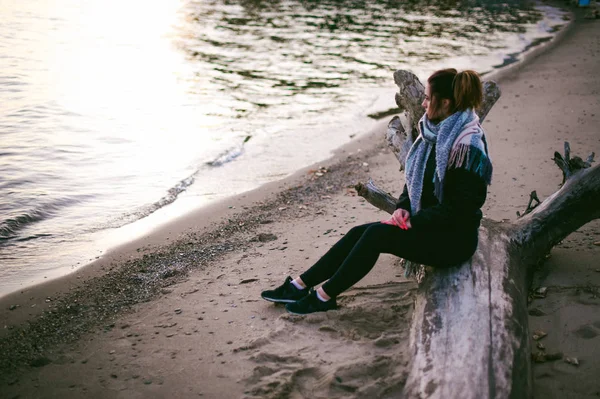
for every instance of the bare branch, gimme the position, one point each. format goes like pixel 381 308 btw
pixel 575 204
pixel 532 197
pixel 376 197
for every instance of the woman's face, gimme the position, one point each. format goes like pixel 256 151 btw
pixel 437 112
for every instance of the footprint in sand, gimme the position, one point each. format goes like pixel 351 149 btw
pixel 359 351
pixel 587 331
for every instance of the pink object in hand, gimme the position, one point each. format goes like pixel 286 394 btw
pixel 400 218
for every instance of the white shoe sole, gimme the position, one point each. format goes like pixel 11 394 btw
pixel 277 300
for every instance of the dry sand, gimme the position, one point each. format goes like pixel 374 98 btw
pixel 157 320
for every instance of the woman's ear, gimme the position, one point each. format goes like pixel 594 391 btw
pixel 446 106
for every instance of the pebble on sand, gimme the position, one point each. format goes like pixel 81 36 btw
pixel 572 360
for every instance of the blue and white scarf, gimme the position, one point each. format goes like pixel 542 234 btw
pixel 459 143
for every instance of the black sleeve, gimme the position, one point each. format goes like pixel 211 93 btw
pixel 403 201
pixel 464 195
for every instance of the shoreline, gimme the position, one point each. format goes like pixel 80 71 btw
pixel 38 299
pixel 158 236
pixel 202 219
pixel 112 242
pixel 209 245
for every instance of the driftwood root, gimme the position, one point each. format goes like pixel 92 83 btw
pixel 569 165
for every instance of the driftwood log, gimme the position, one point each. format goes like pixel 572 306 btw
pixel 469 334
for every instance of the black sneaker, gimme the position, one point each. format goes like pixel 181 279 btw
pixel 285 293
pixel 310 304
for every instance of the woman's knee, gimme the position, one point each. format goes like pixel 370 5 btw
pixel 381 229
pixel 358 230
pixel 376 233
pixel 374 237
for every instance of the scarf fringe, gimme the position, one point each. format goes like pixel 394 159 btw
pixel 459 142
pixel 473 159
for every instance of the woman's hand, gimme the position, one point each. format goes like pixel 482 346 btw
pixel 400 218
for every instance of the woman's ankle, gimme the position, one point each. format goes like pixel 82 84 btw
pixel 322 295
pixel 298 283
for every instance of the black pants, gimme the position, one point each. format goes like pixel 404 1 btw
pixel 355 254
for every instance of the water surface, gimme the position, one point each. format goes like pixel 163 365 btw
pixel 118 114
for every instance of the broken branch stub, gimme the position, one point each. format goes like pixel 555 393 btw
pixel 376 197
pixel 491 94
pixel 398 140
pixel 410 96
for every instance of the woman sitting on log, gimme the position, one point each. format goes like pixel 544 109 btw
pixel 437 217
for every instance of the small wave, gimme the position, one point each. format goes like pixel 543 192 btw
pixel 33 237
pixel 176 190
pixel 511 58
pixel 172 194
pixel 230 154
pixel 10 227
pixel 149 209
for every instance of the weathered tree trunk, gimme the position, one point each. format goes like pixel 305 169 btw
pixel 469 335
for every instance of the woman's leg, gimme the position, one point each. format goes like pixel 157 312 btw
pixel 421 247
pixel 331 261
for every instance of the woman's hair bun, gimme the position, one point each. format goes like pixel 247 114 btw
pixel 468 91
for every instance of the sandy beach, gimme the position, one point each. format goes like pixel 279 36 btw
pixel 178 313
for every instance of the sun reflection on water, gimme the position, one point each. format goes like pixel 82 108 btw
pixel 111 109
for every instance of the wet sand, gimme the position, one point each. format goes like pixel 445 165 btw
pixel 178 313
